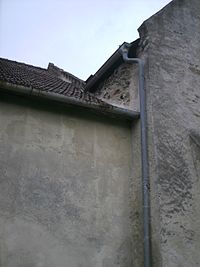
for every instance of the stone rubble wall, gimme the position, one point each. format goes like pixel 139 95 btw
pixel 121 88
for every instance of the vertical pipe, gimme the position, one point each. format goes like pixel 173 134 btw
pixel 144 158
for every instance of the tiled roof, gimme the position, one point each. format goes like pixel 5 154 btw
pixel 52 79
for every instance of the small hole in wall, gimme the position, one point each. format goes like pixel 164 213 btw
pixel 116 92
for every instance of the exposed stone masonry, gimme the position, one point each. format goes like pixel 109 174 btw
pixel 121 88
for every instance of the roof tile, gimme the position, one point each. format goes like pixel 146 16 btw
pixel 52 79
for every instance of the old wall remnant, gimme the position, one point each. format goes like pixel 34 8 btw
pixel 172 63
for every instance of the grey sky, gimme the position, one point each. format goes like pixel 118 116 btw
pixel 77 36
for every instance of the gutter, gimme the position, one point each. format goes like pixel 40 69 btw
pixel 94 79
pixel 104 109
pixel 113 62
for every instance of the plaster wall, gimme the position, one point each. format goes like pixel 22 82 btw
pixel 68 197
pixel 170 47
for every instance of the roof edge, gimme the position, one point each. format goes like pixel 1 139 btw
pixel 108 67
pixel 22 63
pixel 104 108
pixel 52 67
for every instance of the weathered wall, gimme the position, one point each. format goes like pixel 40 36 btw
pixel 171 50
pixel 66 189
pixel 121 88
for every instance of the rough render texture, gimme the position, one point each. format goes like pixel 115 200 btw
pixel 67 193
pixel 170 46
pixel 121 88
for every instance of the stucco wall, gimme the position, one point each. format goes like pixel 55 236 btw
pixel 66 188
pixel 170 47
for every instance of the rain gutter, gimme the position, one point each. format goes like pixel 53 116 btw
pixel 102 108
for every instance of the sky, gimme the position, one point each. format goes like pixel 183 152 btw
pixel 76 35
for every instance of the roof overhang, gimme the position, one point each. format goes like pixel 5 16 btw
pixel 110 65
pixel 100 108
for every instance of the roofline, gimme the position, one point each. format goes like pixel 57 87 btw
pixel 107 68
pixel 158 13
pixel 22 63
pixel 104 109
pixel 43 69
pixel 63 71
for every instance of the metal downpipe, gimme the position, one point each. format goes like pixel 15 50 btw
pixel 144 157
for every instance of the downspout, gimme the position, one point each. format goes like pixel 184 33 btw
pixel 144 155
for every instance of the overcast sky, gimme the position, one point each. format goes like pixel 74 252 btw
pixel 76 35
